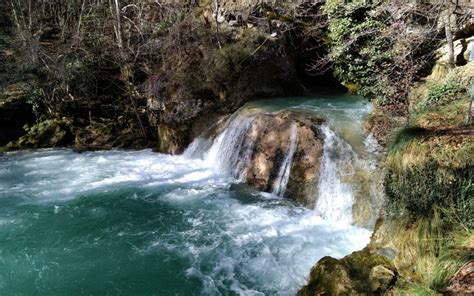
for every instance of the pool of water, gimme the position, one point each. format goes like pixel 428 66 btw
pixel 139 222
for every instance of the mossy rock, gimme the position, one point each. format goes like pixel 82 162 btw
pixel 362 272
pixel 48 133
pixel 108 135
pixel 173 139
pixel 380 123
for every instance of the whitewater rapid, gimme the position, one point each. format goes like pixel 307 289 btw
pixel 228 239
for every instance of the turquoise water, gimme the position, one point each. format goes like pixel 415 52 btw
pixel 344 113
pixel 144 223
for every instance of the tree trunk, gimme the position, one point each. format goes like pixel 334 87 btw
pixel 217 6
pixel 449 34
pixel 469 107
pixel 118 27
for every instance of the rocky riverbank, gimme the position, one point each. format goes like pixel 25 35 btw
pixel 424 242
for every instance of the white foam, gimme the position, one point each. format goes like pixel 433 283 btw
pixel 335 198
pixel 279 186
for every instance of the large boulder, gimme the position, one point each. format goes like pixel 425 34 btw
pixel 286 150
pixel 360 273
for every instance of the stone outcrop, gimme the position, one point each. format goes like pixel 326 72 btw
pixel 271 139
pixel 361 273
pixel 246 50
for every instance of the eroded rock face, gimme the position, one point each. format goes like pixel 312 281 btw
pixel 286 149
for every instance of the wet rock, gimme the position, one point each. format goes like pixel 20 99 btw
pixel 173 138
pixel 271 139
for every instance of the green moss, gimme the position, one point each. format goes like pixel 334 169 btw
pixel 47 133
pixel 360 272
pixel 109 134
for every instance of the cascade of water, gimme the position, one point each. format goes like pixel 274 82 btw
pixel 230 153
pixel 279 186
pixel 343 172
pixel 198 148
pixel 335 198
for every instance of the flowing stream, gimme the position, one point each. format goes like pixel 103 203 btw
pixel 143 223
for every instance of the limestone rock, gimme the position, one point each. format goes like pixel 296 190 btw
pixel 271 137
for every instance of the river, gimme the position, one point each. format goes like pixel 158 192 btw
pixel 145 223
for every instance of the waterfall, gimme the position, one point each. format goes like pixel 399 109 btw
pixel 279 186
pixel 335 197
pixel 347 190
pixel 229 152
pixel 198 148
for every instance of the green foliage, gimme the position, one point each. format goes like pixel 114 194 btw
pixel 48 133
pixel 359 50
pixel 440 93
pixel 371 47
pixel 35 97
